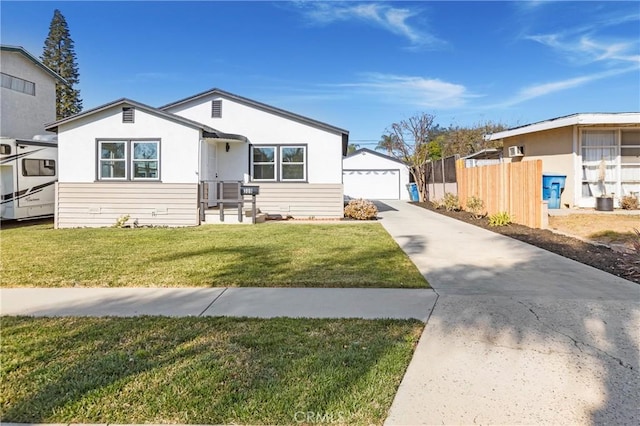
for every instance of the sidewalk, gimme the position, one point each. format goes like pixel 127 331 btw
pixel 238 302
pixel 519 335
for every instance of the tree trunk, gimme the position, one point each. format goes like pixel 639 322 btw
pixel 420 177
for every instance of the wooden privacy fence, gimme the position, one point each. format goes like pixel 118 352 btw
pixel 515 188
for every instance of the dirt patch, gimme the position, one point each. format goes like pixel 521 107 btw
pixel 605 228
pixel 625 265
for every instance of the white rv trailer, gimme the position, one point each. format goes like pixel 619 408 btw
pixel 28 173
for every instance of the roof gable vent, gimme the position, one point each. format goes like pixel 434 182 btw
pixel 216 108
pixel 128 114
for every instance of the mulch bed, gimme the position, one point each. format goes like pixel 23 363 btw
pixel 625 265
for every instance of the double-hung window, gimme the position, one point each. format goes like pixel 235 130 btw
pixel 129 160
pixel 263 162
pixel 292 166
pixel 113 160
pixel 279 163
pixel 145 160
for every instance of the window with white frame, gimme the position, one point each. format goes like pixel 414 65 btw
pixel 145 160
pixel 129 160
pixel 614 153
pixel 281 163
pixel 263 163
pixel 292 166
pixel 113 160
pixel 630 162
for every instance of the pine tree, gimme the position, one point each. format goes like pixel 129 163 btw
pixel 60 56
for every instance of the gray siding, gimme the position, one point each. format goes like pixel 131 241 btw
pixel 301 200
pixel 100 204
pixel 22 115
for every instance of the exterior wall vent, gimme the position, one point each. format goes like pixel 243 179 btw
pixel 128 114
pixel 216 108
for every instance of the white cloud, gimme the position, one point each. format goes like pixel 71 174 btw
pixel 411 90
pixel 587 49
pixel 548 88
pixel 587 44
pixel 387 17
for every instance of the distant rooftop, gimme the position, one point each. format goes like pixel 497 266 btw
pixel 36 61
pixel 591 118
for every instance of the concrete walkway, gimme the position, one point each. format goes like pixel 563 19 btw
pixel 518 335
pixel 239 302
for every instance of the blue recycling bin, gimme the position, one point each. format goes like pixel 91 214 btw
pixel 413 192
pixel 552 187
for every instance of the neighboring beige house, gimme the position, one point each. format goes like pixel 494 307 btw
pixel 28 93
pixel 575 146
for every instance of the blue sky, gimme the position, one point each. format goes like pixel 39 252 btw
pixel 357 65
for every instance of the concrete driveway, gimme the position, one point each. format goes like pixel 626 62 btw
pixel 518 335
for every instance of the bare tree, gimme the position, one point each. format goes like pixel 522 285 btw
pixel 410 145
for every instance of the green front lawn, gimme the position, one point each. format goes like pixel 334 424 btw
pixel 269 255
pixel 202 370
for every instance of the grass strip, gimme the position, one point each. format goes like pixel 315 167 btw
pixel 202 370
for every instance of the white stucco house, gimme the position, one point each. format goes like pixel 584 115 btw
pixel 28 93
pixel 162 166
pixel 374 176
pixel 575 146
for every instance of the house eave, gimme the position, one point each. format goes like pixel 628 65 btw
pixel 53 127
pixel 372 152
pixel 582 119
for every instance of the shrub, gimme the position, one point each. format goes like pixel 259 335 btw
pixel 629 202
pixel 361 210
pixel 121 222
pixel 500 219
pixel 437 204
pixel 476 207
pixel 450 202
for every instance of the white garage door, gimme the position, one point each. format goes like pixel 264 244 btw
pixel 372 184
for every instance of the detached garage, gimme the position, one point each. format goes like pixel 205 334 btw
pixel 374 176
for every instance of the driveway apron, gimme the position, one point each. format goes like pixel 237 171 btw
pixel 519 335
